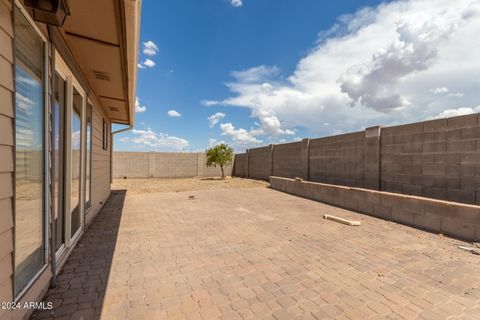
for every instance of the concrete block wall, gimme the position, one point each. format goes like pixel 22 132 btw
pixel 438 159
pixel 338 159
pixel 287 160
pixel 260 163
pixel 455 219
pixel 163 165
pixel 173 165
pixel 239 165
pixel 131 164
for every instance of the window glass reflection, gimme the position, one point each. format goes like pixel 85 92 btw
pixel 29 155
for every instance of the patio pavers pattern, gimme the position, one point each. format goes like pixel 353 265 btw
pixel 259 254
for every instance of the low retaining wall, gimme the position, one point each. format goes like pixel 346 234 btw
pixel 455 219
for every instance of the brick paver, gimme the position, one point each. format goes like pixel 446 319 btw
pixel 258 254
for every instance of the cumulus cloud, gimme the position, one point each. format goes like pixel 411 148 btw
pixel 455 95
pixel 212 142
pixel 376 66
pixel 374 84
pixel 439 90
pixel 158 141
pixel 256 74
pixel 209 103
pixel 150 48
pixel 149 63
pixel 236 3
pixel 456 112
pixel 444 91
pixel 138 106
pixel 269 123
pixel 215 118
pixel 174 113
pixel 240 137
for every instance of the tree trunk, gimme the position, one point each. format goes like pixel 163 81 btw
pixel 223 173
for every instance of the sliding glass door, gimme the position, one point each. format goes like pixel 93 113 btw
pixel 58 134
pixel 76 154
pixel 69 156
pixel 88 159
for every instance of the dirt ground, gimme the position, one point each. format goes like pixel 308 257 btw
pixel 139 186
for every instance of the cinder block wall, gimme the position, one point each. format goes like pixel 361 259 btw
pixel 130 164
pixel 437 159
pixel 338 159
pixel 455 219
pixel 173 165
pixel 259 163
pixel 163 165
pixel 287 160
pixel 239 165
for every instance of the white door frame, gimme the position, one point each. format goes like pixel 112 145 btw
pixel 71 84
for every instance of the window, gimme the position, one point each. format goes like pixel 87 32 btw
pixel 30 214
pixel 88 160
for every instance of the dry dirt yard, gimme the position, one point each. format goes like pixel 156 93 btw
pixel 151 185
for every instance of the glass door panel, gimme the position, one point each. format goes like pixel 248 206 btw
pixel 59 159
pixel 76 161
pixel 88 160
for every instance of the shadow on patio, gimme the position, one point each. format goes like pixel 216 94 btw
pixel 81 285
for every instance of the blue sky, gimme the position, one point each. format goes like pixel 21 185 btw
pixel 272 71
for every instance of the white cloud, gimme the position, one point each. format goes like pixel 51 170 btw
pixel 209 103
pixel 174 113
pixel 456 112
pixel 149 63
pixel 439 90
pixel 138 106
pixel 158 141
pixel 141 66
pixel 269 123
pixel 455 95
pixel 26 104
pixel 256 74
pixel 236 3
pixel 214 118
pixel 150 48
pixel 214 142
pixel 240 137
pixel 376 66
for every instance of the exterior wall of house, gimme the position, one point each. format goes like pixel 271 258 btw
pixel 7 157
pixel 101 165
pixel 6 153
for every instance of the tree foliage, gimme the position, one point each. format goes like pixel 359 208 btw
pixel 219 155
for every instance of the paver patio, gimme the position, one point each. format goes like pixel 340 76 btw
pixel 258 254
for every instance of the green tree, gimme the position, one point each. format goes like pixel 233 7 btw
pixel 220 155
